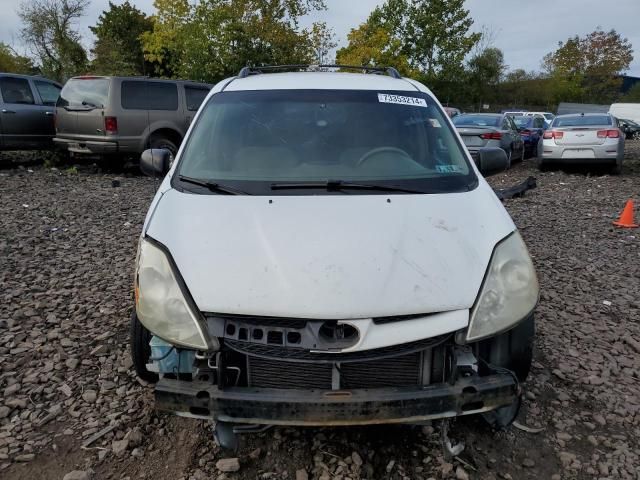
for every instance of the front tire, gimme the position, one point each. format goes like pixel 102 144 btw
pixel 140 349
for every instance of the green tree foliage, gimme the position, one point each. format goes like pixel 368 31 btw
pixel 588 68
pixel 424 38
pixel 212 39
pixel 485 71
pixel 439 38
pixel 118 45
pixel 12 62
pixel 633 95
pixel 48 28
pixel 373 45
pixel 322 41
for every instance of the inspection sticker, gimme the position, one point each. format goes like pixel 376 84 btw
pixel 402 100
pixel 448 168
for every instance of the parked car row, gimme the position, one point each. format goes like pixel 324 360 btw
pixel 586 138
pixel 115 117
pixel 96 115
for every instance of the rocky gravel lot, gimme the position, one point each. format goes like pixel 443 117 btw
pixel 71 407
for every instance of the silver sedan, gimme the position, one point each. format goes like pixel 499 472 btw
pixel 483 130
pixel 583 138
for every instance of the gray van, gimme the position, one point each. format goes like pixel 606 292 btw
pixel 125 115
pixel 26 112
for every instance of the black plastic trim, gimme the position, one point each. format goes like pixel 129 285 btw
pixel 336 407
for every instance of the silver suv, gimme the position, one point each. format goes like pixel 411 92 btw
pixel 125 115
pixel 26 111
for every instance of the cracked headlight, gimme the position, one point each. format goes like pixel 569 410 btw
pixel 509 292
pixel 160 302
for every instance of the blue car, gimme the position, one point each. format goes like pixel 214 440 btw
pixel 531 129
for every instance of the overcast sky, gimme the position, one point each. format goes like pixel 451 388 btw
pixel 524 30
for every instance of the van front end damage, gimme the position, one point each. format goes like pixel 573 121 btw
pixel 273 406
pixel 268 373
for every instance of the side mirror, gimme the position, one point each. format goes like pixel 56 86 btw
pixel 492 160
pixel 155 162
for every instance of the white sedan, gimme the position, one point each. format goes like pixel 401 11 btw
pixel 583 138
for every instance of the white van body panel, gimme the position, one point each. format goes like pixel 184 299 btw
pixel 627 111
pixel 373 335
pixel 331 256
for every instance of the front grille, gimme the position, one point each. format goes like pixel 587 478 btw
pixel 291 354
pixel 398 371
pixel 265 373
pixel 394 372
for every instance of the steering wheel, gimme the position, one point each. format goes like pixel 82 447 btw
pixel 378 151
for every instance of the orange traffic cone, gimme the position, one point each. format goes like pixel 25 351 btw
pixel 626 217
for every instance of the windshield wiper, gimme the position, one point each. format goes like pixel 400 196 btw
pixel 213 186
pixel 338 185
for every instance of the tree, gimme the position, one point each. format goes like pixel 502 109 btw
pixel 321 38
pixel 215 38
pixel 118 45
pixel 633 94
pixel 590 66
pixel 426 38
pixel 48 28
pixel 485 71
pixel 12 62
pixel 438 37
pixel 372 45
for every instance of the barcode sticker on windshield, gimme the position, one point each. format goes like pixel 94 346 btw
pixel 402 100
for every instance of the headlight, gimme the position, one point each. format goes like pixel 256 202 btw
pixel 509 292
pixel 160 303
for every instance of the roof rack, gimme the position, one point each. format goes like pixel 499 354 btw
pixel 250 70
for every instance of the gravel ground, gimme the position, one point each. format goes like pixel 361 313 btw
pixel 67 246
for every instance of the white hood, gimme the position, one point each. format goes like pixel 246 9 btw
pixel 331 256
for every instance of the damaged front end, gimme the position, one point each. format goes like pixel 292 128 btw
pixel 277 371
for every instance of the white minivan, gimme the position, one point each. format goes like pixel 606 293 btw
pixel 324 251
pixel 627 111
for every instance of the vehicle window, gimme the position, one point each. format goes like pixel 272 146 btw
pixel 521 122
pixel 143 95
pixel 582 121
pixel 16 90
pixel 549 116
pixel 254 138
pixel 538 122
pixel 84 92
pixel 195 96
pixel 49 92
pixel 477 120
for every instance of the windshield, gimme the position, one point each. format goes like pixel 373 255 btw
pixel 478 120
pixel 253 139
pixel 549 116
pixel 522 121
pixel 582 121
pixel 84 92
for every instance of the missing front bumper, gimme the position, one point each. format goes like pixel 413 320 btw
pixel 336 407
